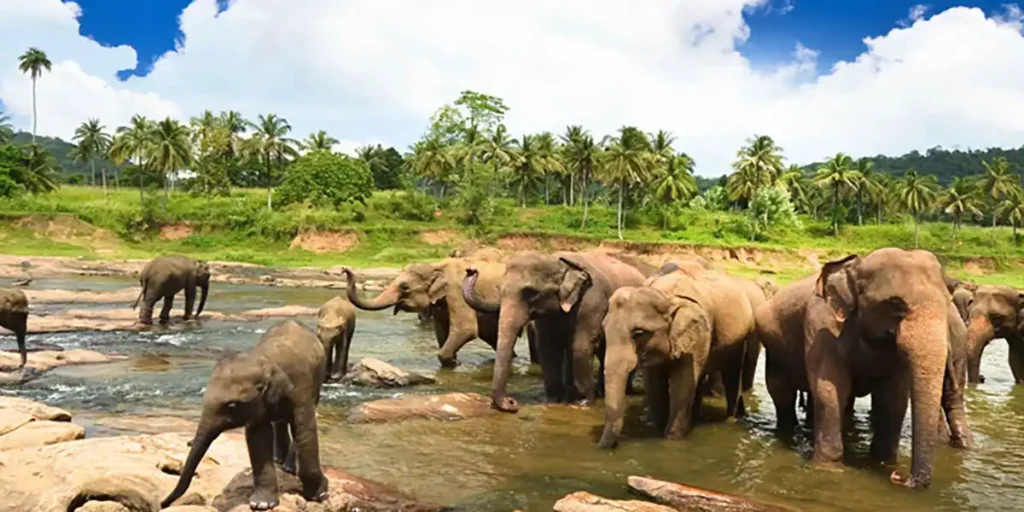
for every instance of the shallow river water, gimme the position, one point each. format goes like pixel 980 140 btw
pixel 530 460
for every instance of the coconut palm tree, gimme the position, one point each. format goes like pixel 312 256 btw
pixel 93 141
pixel 33 62
pixel 38 170
pixel 499 149
pixel 1012 209
pixel 962 199
pixel 996 181
pixel 432 160
pixel 527 165
pixel 838 176
pixel 867 186
pixel 236 125
pixel 132 143
pixel 675 182
pixel 916 194
pixel 273 146
pixel 170 151
pixel 760 161
pixel 6 130
pixel 549 162
pixel 579 154
pixel 318 141
pixel 625 161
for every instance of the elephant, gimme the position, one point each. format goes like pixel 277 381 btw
pixel 995 312
pixel 882 325
pixel 14 316
pixel 271 389
pixel 566 295
pixel 432 291
pixel 165 276
pixel 678 328
pixel 336 322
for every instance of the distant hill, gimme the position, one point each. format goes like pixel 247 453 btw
pixel 61 150
pixel 943 163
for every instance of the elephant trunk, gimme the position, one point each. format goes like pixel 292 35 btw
pixel 922 342
pixel 200 444
pixel 979 334
pixel 619 360
pixel 204 289
pixel 510 324
pixel 385 300
pixel 475 301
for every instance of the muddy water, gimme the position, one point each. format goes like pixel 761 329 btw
pixel 531 459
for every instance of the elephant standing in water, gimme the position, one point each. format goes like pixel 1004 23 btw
pixel 14 316
pixel 882 325
pixel 432 291
pixel 165 276
pixel 271 389
pixel 336 323
pixel 995 312
pixel 679 328
pixel 566 295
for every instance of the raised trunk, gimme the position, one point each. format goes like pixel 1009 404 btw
pixel 619 359
pixel 475 301
pixel 979 334
pixel 386 299
pixel 510 323
pixel 203 290
pixel 202 441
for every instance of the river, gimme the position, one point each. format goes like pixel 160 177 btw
pixel 529 460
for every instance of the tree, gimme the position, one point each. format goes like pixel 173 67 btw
pixel 93 142
pixel 758 164
pixel 271 144
pixel 33 62
pixel 867 186
pixel 170 151
pixel 6 130
pixel 548 160
pixel 674 183
pixel 1012 209
pixel 996 181
pixel 318 141
pixel 916 193
pixel 625 161
pixel 326 179
pixel 579 155
pixel 433 160
pixel 527 165
pixel 35 169
pixel 133 143
pixel 959 201
pixel 837 176
pixel 386 165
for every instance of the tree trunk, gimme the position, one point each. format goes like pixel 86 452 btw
pixel 860 208
pixel 35 114
pixel 117 182
pixel 583 193
pixel 547 197
pixel 572 189
pixel 620 219
pixel 835 212
pixel 270 190
pixel 103 175
pixel 878 215
pixel 138 168
pixel 166 191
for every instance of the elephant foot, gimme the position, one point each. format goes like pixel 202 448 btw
pixel 607 443
pixel 288 466
pixel 505 404
pixel 314 487
pixel 262 499
pixel 830 466
pixel 447 362
pixel 909 482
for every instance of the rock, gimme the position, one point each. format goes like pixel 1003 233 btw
pixel 585 502
pixel 377 373
pixel 685 497
pixel 137 472
pixel 283 311
pixel 103 506
pixel 46 360
pixel 41 433
pixel 38 411
pixel 125 296
pixel 449 406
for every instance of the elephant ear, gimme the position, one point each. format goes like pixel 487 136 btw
pixel 836 285
pixel 574 282
pixel 697 327
pixel 438 286
pixel 275 384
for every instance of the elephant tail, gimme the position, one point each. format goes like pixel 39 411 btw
pixel 139 298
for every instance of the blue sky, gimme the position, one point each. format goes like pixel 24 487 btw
pixel 836 28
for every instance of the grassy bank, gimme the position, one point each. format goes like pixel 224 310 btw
pixel 393 229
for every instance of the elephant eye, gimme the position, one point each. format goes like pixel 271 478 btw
pixel 232 405
pixel 530 293
pixel 640 333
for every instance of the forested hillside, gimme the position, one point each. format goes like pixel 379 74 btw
pixel 942 163
pixel 71 170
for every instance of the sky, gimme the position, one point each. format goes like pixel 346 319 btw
pixel 862 77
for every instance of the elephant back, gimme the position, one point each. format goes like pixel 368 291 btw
pixel 13 301
pixel 335 312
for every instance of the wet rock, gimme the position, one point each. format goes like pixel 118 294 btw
pixel 585 502
pixel 46 360
pixel 124 296
pixel 150 423
pixel 283 311
pixel 377 373
pixel 686 497
pixel 137 472
pixel 449 406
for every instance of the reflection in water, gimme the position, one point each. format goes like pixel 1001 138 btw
pixel 531 459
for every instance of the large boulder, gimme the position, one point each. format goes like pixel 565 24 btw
pixel 24 423
pixel 449 406
pixel 135 473
pixel 377 373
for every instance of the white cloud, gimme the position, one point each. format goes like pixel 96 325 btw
pixel 374 71
pixel 916 13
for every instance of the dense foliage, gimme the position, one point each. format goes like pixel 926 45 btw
pixel 326 179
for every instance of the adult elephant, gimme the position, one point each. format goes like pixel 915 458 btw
pixel 14 316
pixel 335 325
pixel 678 328
pixel 432 291
pixel 163 277
pixel 565 295
pixel 882 325
pixel 272 390
pixel 995 312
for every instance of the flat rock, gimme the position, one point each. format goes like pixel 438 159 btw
pixel 10 405
pixel 46 360
pixel 283 311
pixel 376 373
pixel 585 502
pixel 137 472
pixel 123 296
pixel 449 406
pixel 41 433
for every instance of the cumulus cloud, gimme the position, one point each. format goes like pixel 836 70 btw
pixel 374 71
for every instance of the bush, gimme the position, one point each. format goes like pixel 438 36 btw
pixel 769 208
pixel 715 199
pixel 322 179
pixel 477 196
pixel 409 205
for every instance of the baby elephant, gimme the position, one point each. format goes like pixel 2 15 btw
pixel 165 276
pixel 336 322
pixel 271 389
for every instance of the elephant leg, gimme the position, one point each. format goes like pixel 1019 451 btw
pixel 442 325
pixel 457 338
pixel 830 390
pixel 259 438
pixel 888 410
pixel 953 405
pixel 713 385
pixel 599 387
pixel 585 339
pixel 731 378
pixel 282 443
pixel 146 311
pixel 329 359
pixel 1016 360
pixel 190 301
pixel 750 363
pixel 682 387
pixel 656 396
pixel 552 365
pixel 314 483
pixel 531 338
pixel 783 394
pixel 165 312
pixel 18 324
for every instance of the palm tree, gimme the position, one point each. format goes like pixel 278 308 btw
pixel 319 141
pixel 794 180
pixel 867 186
pixel 132 143
pixel 171 151
pixel 761 161
pixel 580 153
pixel 675 182
pixel 236 125
pixel 39 168
pixel 996 181
pixel 548 161
pixel 272 145
pixel 93 141
pixel 1012 209
pixel 33 62
pixel 526 165
pixel 499 149
pixel 625 161
pixel 433 160
pixel 960 200
pixel 6 130
pixel 838 176
pixel 916 193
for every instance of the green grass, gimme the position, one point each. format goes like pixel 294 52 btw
pixel 239 228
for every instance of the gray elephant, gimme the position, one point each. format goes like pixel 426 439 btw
pixel 14 316
pixel 882 325
pixel 336 323
pixel 678 328
pixel 165 276
pixel 995 312
pixel 566 295
pixel 272 390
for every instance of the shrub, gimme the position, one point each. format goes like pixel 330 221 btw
pixel 322 178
